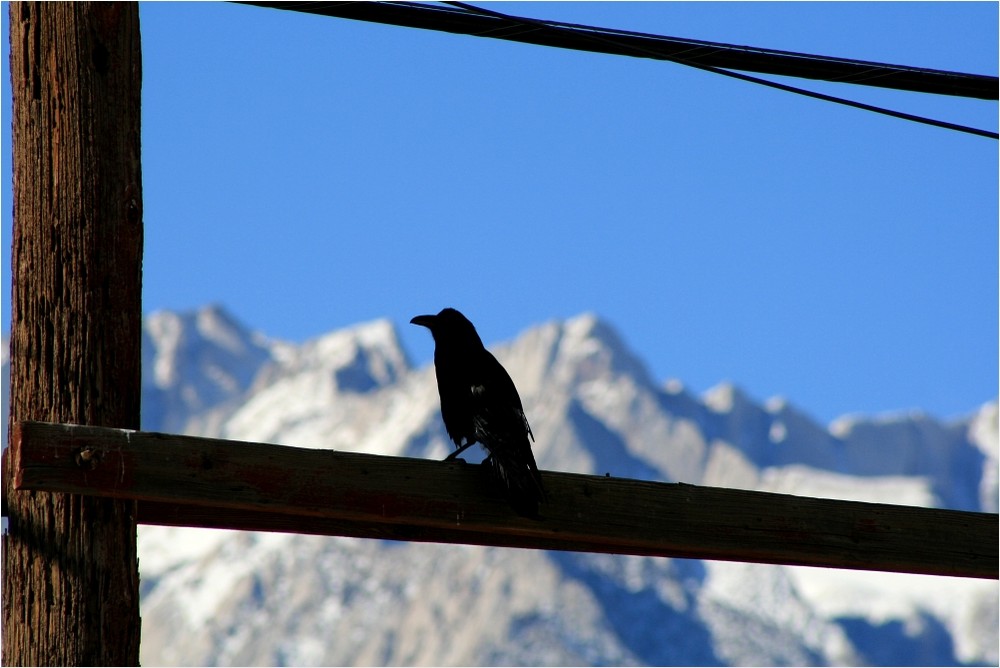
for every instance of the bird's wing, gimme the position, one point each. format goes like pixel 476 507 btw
pixel 495 418
pixel 505 391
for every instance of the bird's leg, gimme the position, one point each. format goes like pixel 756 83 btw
pixel 460 450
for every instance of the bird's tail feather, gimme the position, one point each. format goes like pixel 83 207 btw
pixel 519 476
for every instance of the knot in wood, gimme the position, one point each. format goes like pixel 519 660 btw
pixel 89 458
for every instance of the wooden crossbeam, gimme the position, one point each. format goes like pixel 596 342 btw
pixel 188 481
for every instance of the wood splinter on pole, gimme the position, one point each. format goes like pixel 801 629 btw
pixel 71 582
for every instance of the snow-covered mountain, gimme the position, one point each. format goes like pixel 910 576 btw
pixel 224 598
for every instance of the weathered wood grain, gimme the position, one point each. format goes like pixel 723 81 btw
pixel 186 481
pixel 70 575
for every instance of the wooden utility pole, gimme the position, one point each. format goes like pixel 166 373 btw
pixel 71 582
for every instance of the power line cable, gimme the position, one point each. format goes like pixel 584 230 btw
pixel 744 77
pixel 622 42
pixel 712 57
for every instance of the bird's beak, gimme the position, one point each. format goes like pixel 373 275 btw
pixel 425 321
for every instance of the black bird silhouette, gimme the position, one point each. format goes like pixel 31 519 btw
pixel 479 404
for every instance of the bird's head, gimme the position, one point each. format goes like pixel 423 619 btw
pixel 449 327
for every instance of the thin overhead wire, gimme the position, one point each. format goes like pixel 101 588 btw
pixel 543 25
pixel 624 43
pixel 718 58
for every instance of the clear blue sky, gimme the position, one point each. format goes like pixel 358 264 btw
pixel 310 173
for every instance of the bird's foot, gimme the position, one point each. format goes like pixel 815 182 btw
pixel 460 450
